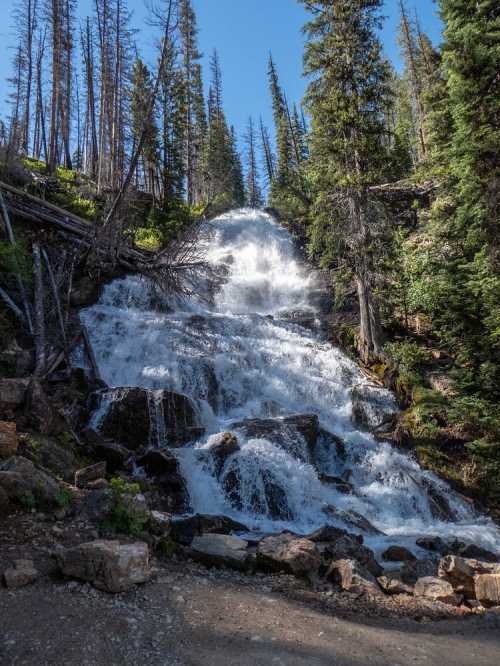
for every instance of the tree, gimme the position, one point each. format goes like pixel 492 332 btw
pixel 347 99
pixel 143 121
pixel 253 192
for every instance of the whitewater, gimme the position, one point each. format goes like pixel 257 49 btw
pixel 242 352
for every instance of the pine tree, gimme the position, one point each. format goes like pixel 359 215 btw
pixel 142 87
pixel 269 158
pixel 347 100
pixel 253 196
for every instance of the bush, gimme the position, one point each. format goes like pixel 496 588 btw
pixel 125 516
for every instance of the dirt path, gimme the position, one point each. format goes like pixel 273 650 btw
pixel 192 616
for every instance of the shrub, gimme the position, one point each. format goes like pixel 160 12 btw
pixel 125 515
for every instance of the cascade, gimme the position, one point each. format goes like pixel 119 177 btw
pixel 251 357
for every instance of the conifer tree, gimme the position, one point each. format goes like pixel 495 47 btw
pixel 347 100
pixel 253 192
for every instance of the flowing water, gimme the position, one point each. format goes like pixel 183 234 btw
pixel 244 354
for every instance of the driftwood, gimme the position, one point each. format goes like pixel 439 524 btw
pixel 39 299
pixel 90 353
pixel 55 296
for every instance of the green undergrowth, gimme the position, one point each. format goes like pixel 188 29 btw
pixel 125 516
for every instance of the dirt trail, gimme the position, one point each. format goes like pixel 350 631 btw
pixel 189 615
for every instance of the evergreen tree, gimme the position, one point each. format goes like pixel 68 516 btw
pixel 347 100
pixel 253 192
pixel 269 158
pixel 141 91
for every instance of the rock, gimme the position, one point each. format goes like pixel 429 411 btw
pixel 392 583
pixel 487 589
pixel 42 416
pixel 471 551
pixel 108 565
pixel 288 553
pixel 23 483
pixel 157 463
pixel 12 394
pixel 16 361
pixel 85 293
pixel 220 550
pixel 353 577
pixel 160 523
pixel 115 455
pixel 8 439
pixel 290 433
pixel 329 533
pixel 461 573
pixel 352 519
pixel 350 547
pixel 328 441
pixel 373 407
pixel 442 383
pixel 398 554
pixel 412 571
pixel 339 484
pixel 91 473
pixel 433 543
pixel 128 418
pixel 22 573
pixel 437 589
pixel 55 454
pixel 221 447
pixel 272 502
pixel 184 530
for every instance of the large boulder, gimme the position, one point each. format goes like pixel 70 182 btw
pixel 289 432
pixel 350 547
pixel 272 502
pixel 437 589
pixel 108 565
pixel 184 530
pixel 8 439
pixel 461 573
pixel 12 394
pixel 220 550
pixel 487 589
pixel 90 473
pixel 113 454
pixel 157 463
pixel 373 407
pixel 164 467
pixel 221 447
pixel 27 485
pixel 392 583
pixel 128 419
pixel 398 554
pixel 288 553
pixel 42 415
pixel 411 571
pixel 20 574
pixel 351 576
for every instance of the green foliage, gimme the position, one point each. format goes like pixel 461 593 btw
pixel 125 516
pixel 15 259
pixel 64 497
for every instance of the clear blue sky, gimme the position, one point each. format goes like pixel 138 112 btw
pixel 244 31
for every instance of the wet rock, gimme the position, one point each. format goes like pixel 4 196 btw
pixel 108 565
pixel 288 553
pixel 432 543
pixel 221 447
pixel 437 589
pixel 220 550
pixel 373 407
pixel 471 551
pixel 8 439
pixel 392 583
pixel 412 571
pixel 158 463
pixel 288 432
pixel 305 318
pixel 352 519
pixel 272 502
pixel 91 473
pixel 339 484
pixel 184 530
pixel 350 547
pixel 351 576
pixel 22 573
pixel 328 441
pixel 329 533
pixel 23 483
pixel 438 503
pixel 398 554
pixel 128 419
pixel 115 455
pixel 12 394
pixel 487 589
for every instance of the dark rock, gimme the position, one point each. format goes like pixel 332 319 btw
pixel 23 483
pixel 85 293
pixel 349 547
pixel 373 407
pixel 221 447
pixel 352 519
pixel 339 484
pixel 350 575
pixel 108 565
pixel 398 554
pixel 412 571
pixel 91 473
pixel 328 441
pixel 330 533
pixel 471 551
pixel 22 573
pixel 433 543
pixel 128 418
pixel 273 503
pixel 43 417
pixel 115 455
pixel 12 395
pixel 184 530
pixel 289 553
pixel 157 463
pixel 56 454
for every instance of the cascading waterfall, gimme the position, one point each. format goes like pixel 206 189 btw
pixel 245 353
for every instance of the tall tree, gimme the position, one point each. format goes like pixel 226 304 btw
pixel 253 192
pixel 347 100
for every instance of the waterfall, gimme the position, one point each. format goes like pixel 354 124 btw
pixel 255 350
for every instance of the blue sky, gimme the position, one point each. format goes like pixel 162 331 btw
pixel 244 31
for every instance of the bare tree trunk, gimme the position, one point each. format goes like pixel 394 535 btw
pixel 39 299
pixel 370 340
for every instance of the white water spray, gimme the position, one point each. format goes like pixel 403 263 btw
pixel 244 357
